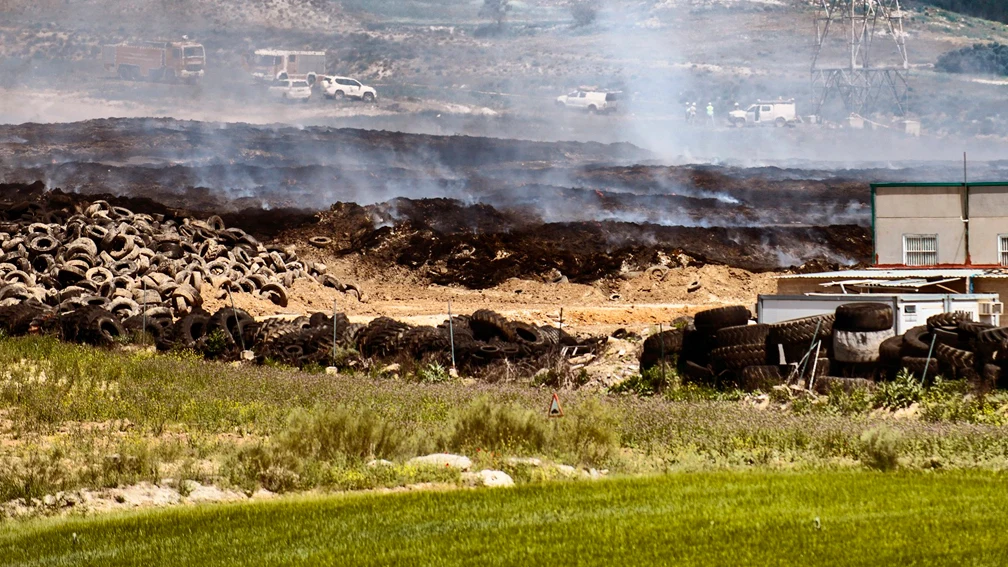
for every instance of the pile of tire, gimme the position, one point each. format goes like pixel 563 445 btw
pixel 856 345
pixel 953 346
pixel 67 257
pixel 75 255
pixel 477 340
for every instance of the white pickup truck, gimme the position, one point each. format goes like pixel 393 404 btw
pixel 590 101
pixel 766 113
pixel 345 87
pixel 291 89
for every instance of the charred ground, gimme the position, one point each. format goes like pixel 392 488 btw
pixel 454 209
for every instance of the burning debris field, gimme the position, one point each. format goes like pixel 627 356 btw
pixel 455 210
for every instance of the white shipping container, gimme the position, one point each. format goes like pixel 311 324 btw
pixel 911 309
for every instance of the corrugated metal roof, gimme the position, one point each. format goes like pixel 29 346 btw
pixel 275 52
pixel 880 273
pixel 915 283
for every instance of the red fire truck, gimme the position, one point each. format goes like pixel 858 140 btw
pixel 155 60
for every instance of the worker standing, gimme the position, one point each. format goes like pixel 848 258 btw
pixel 710 113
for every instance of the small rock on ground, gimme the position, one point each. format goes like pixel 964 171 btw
pixel 448 460
pixel 489 478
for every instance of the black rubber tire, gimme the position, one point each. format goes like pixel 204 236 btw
pixel 667 343
pixel 947 319
pixel 742 335
pixel 762 378
pixel 487 324
pixel 190 329
pixel 991 374
pixel 824 385
pixel 697 347
pixel 711 320
pixel 954 358
pixel 996 335
pixel 529 336
pixel 238 326
pixel 801 331
pixel 971 330
pixel 275 293
pixel 916 342
pixel 863 317
pixel 916 366
pixel 696 374
pixel 555 336
pixel 424 339
pixel 946 336
pixel 737 357
pixel 381 337
pixel 890 351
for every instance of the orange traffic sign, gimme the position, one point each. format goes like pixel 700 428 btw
pixel 554 409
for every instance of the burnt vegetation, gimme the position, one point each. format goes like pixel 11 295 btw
pixel 989 59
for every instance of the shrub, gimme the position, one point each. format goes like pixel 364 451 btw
pixel 648 383
pixel 880 448
pixel 983 59
pixel 337 433
pixel 899 393
pixel 215 343
pixel 588 433
pixel 38 474
pixel 432 373
pixel 494 426
pixel 858 400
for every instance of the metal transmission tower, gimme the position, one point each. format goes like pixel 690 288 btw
pixel 846 61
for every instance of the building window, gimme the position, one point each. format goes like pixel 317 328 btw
pixel 1003 249
pixel 920 249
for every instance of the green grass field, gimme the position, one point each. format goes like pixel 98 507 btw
pixel 758 518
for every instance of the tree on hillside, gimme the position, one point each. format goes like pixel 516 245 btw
pixel 996 10
pixel 496 10
pixel 584 12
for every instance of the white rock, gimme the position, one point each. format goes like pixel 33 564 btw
pixel 380 463
pixel 331 370
pixel 566 470
pixel 447 460
pixel 531 461
pixel 489 478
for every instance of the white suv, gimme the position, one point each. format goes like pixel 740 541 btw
pixel 345 87
pixel 591 101
pixel 291 89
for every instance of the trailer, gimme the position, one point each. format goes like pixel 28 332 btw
pixel 910 309
pixel 155 60
pixel 268 65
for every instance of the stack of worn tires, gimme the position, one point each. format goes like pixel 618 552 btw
pixel 855 345
pixel 952 346
pixel 93 272
pixel 478 340
pixel 68 256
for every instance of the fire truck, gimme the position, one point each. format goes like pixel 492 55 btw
pixel 155 60
pixel 277 64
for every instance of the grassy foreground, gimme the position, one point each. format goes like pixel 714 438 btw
pixel 831 517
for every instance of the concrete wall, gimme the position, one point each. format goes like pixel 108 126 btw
pixel 988 211
pixel 800 286
pixel 919 210
pixel 991 285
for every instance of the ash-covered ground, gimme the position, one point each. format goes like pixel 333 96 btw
pixel 456 209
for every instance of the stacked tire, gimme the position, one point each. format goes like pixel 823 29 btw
pixel 707 361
